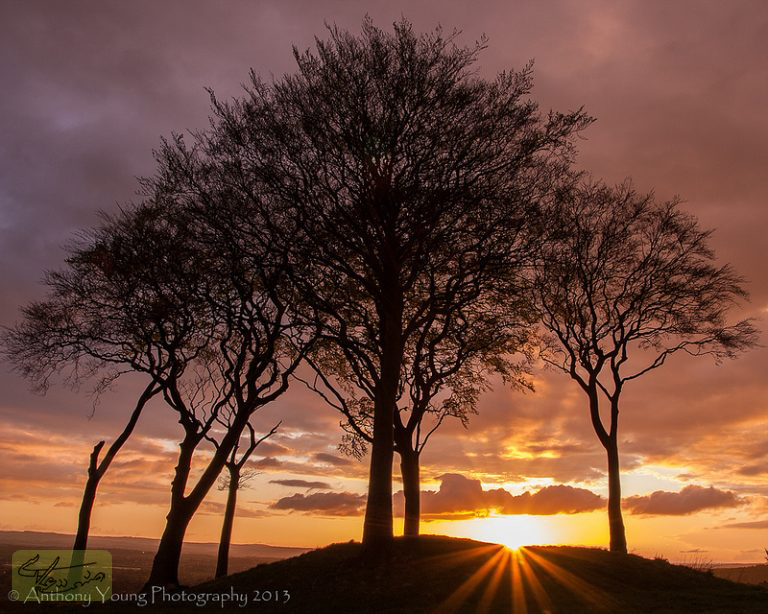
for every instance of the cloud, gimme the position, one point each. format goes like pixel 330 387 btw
pixel 267 463
pixel 750 470
pixel 215 508
pixel 557 499
pixel 324 503
pixel 302 484
pixel 330 459
pixel 757 524
pixel 689 500
pixel 269 448
pixel 460 495
pixel 322 467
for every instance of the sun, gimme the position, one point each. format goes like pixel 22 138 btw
pixel 511 531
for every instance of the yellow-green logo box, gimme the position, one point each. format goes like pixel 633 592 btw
pixel 61 575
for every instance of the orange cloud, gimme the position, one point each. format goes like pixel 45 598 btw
pixel 330 459
pixel 302 484
pixel 325 503
pixel 757 524
pixel 689 500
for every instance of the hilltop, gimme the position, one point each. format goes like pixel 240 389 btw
pixel 442 574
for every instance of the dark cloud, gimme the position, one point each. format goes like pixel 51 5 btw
pixel 302 484
pixel 215 508
pixel 325 503
pixel 689 500
pixel 267 463
pixel 756 524
pixel 750 470
pixel 459 494
pixel 316 467
pixel 270 448
pixel 330 459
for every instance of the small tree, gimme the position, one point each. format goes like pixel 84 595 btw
pixel 106 316
pixel 390 173
pixel 623 283
pixel 232 482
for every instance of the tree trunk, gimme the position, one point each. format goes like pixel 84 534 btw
pixel 89 496
pixel 165 567
pixel 97 470
pixel 610 443
pixel 409 468
pixel 222 564
pixel 615 520
pixel 378 525
pixel 84 518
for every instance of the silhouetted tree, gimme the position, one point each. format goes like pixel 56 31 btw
pixel 107 315
pixel 391 174
pixel 623 283
pixel 232 482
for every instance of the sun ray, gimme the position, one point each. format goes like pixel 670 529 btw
pixel 539 594
pixel 582 589
pixel 519 603
pixel 462 593
pixel 461 556
pixel 492 588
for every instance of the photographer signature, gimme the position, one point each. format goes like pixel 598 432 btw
pixel 45 579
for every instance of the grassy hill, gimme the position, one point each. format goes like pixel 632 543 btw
pixel 441 574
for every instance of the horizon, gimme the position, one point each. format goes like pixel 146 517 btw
pixel 694 558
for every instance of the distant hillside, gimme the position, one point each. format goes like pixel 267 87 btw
pixel 748 574
pixel 61 540
pixel 132 557
pixel 441 574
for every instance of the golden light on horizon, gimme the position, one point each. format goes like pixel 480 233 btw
pixel 518 530
pixel 511 531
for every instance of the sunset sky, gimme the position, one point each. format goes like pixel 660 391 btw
pixel 680 92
